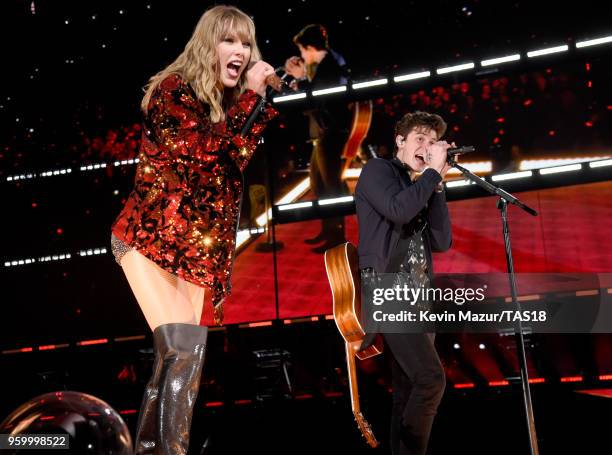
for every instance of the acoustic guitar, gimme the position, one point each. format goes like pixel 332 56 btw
pixel 341 263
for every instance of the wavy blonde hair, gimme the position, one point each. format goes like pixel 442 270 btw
pixel 198 64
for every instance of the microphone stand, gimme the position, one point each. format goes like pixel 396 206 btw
pixel 506 198
pixel 275 83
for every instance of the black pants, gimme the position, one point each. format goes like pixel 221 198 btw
pixel 418 385
pixel 326 180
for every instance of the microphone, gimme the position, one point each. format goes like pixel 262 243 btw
pixel 274 84
pixel 454 151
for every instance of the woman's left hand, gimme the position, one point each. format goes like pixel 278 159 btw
pixel 256 77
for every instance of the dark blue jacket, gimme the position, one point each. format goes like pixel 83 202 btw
pixel 386 199
pixel 328 115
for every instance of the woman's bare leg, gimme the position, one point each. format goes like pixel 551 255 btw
pixel 157 292
pixel 194 294
pixel 166 302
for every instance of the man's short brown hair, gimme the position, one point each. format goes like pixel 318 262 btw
pixel 420 120
pixel 314 35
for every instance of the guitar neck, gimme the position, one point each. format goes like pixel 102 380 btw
pixel 351 349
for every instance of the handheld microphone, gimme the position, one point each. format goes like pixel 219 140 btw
pixel 274 84
pixel 454 151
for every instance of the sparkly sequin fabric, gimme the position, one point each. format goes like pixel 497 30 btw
pixel 410 255
pixel 415 261
pixel 184 208
pixel 119 248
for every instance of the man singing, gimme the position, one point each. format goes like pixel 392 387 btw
pixel 403 219
pixel 329 123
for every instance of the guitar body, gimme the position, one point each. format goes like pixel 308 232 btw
pixel 341 263
pixel 362 119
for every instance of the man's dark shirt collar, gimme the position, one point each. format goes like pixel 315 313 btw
pixel 403 166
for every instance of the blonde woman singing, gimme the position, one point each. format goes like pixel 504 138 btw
pixel 175 237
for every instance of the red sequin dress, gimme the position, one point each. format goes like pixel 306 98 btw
pixel 183 211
